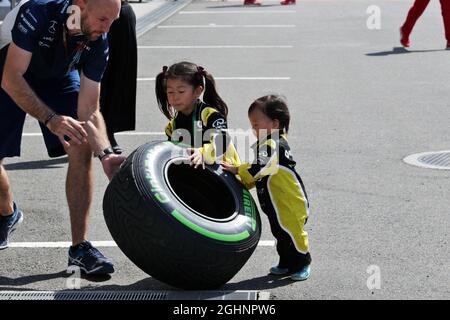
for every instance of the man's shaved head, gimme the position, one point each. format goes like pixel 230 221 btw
pixel 97 16
pixel 91 3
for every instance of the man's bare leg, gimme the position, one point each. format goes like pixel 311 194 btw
pixel 79 189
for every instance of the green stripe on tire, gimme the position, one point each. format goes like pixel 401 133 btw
pixel 210 234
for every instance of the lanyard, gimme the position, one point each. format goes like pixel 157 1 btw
pixel 196 126
pixel 194 117
pixel 77 52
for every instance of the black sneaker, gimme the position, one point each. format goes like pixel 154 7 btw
pixel 8 225
pixel 89 259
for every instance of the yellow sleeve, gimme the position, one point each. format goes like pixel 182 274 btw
pixel 206 113
pixel 169 129
pixel 231 156
pixel 246 178
pixel 208 153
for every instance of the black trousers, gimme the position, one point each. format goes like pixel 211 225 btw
pixel 118 87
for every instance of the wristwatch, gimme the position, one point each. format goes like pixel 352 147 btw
pixel 104 153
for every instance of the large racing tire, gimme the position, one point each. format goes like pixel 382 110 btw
pixel 190 228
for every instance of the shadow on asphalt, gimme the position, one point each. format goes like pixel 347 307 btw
pixel 259 283
pixel 399 50
pixel 144 284
pixel 18 284
pixel 31 279
pixel 41 164
pixel 23 281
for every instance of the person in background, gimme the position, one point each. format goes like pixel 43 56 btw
pixel 258 3
pixel 414 14
pixel 118 87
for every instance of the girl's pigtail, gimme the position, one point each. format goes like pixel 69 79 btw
pixel 211 97
pixel 161 94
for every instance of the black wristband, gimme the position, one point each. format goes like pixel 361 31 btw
pixel 50 117
pixel 105 152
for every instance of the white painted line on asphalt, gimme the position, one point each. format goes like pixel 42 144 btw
pixel 217 47
pixel 266 243
pixel 98 244
pixel 58 244
pixel 190 26
pixel 253 78
pixel 237 11
pixel 31 134
pixel 38 134
pixel 232 78
pixel 149 133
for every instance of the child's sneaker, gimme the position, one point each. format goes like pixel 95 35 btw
pixel 277 271
pixel 8 225
pixel 302 274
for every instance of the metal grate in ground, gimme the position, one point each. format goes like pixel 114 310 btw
pixel 430 160
pixel 79 295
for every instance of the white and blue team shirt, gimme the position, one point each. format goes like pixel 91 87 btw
pixel 39 28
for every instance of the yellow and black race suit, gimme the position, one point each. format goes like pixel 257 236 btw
pixel 282 197
pixel 207 128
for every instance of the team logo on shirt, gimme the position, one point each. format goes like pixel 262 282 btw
pixel 219 124
pixel 263 154
pixel 28 12
pixel 47 43
pixel 52 28
pixel 28 23
pixel 21 28
pixel 42 44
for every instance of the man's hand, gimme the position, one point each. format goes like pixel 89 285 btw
pixel 67 126
pixel 196 158
pixel 111 164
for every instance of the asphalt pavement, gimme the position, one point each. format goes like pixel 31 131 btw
pixel 359 105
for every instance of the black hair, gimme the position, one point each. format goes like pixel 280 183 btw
pixel 194 75
pixel 274 107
